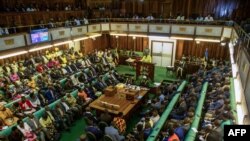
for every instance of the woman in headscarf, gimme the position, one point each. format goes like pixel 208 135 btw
pixel 7 116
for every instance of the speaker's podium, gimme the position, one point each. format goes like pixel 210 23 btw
pixel 145 68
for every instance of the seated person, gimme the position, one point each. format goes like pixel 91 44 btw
pixel 90 91
pixel 147 129
pixel 137 134
pixel 75 80
pixel 62 114
pixel 172 136
pixel 155 116
pixel 73 104
pixel 47 123
pixel 35 101
pixel 106 117
pixel 110 60
pixel 180 111
pixel 88 114
pixel 94 129
pixel 26 130
pixel 83 96
pixel 32 83
pixel 26 106
pixel 146 58
pixel 69 86
pixel 63 60
pixel 113 133
pixel 37 128
pixel 39 68
pixel 49 95
pixel 7 116
pixel 17 111
pixel 120 123
pixel 180 68
pixel 14 76
pixel 15 135
pixel 209 18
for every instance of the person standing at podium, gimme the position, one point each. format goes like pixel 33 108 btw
pixel 146 58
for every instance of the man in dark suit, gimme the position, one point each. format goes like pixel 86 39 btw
pixel 49 95
pixel 90 91
pixel 59 123
pixel 74 67
pixel 37 128
pixel 59 110
pixel 65 107
pixel 68 68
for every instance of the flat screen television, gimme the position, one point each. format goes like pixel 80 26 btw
pixel 39 35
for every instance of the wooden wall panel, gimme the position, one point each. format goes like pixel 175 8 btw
pixel 100 43
pixel 191 48
pixel 128 43
pixel 179 49
pixel 25 19
pixel 219 8
pixel 41 3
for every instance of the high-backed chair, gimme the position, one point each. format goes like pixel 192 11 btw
pixel 91 136
pixel 107 138
pixel 102 125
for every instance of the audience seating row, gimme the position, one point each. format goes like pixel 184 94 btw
pixel 156 130
pixel 8 105
pixel 232 99
pixel 190 136
pixel 37 114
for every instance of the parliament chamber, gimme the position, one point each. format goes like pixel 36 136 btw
pixel 123 70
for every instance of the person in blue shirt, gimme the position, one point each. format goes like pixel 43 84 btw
pixel 113 133
pixel 49 95
pixel 94 129
pixel 206 54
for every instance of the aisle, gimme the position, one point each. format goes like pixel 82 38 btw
pixel 75 131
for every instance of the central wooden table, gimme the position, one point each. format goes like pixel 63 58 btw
pixel 123 105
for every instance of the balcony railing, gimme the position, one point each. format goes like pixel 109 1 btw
pixel 27 28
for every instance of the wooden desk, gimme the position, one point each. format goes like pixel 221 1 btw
pixel 125 106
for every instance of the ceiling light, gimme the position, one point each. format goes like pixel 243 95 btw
pixel 137 35
pixel 207 40
pixel 13 54
pixel 95 35
pixel 40 48
pixel 118 34
pixel 223 43
pixel 62 43
pixel 79 39
pixel 181 38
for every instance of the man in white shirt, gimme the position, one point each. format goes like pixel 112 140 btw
pixel 150 17
pixel 1 31
pixel 77 22
pixel 85 20
pixel 199 18
pixel 209 18
pixel 180 17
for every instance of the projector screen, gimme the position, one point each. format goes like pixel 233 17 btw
pixel 39 35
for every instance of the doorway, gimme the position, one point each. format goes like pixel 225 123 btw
pixel 162 53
